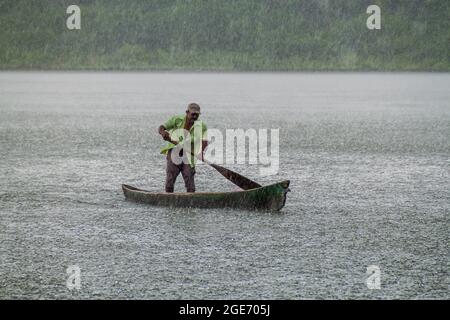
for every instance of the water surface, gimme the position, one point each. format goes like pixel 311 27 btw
pixel 367 156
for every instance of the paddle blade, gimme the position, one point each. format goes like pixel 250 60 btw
pixel 239 180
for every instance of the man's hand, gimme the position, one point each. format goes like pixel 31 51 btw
pixel 166 136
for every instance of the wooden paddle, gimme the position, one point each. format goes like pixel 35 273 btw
pixel 238 179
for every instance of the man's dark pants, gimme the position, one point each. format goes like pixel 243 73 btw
pixel 173 170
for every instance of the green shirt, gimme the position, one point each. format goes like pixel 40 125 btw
pixel 175 127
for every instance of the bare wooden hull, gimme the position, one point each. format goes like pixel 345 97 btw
pixel 271 197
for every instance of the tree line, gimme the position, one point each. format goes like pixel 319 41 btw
pixel 241 35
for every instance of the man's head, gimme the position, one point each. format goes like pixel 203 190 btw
pixel 193 112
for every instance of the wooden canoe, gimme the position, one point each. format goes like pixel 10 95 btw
pixel 271 197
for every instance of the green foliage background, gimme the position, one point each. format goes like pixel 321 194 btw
pixel 250 35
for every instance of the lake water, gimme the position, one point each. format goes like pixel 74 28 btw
pixel 367 156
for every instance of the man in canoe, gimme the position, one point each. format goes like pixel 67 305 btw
pixel 186 135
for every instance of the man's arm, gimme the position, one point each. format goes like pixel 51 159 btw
pixel 204 145
pixel 162 131
pixel 204 139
